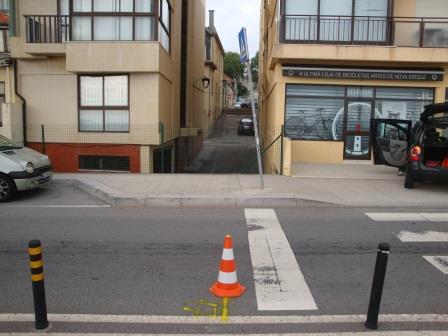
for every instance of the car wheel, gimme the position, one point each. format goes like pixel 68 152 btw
pixel 408 181
pixel 7 189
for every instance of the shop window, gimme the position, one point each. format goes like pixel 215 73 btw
pixel 312 118
pixel 315 112
pixel 104 103
pixel 109 163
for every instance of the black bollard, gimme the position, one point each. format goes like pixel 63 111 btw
pixel 377 286
pixel 37 277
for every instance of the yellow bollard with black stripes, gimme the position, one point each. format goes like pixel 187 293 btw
pixel 37 277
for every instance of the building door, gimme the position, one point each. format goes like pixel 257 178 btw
pixel 158 166
pixel 358 114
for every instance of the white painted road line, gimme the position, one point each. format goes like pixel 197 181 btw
pixel 291 319
pixel 439 262
pixel 422 237
pixel 279 283
pixel 58 206
pixel 370 333
pixel 409 216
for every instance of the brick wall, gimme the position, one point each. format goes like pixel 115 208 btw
pixel 65 157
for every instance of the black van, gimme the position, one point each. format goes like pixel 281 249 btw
pixel 423 152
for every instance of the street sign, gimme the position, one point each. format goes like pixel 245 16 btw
pixel 244 51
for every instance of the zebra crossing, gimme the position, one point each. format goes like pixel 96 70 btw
pixel 426 236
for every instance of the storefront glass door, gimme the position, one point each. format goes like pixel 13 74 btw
pixel 358 114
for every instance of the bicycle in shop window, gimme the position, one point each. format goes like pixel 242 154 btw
pixel 300 127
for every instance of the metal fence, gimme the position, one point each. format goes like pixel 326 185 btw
pixel 272 151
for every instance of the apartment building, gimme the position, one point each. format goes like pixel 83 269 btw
pixel 327 67
pixel 230 94
pixel 109 84
pixel 214 69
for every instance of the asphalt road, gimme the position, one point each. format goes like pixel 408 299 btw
pixel 162 262
pixel 226 152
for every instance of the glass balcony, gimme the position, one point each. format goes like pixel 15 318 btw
pixel 365 30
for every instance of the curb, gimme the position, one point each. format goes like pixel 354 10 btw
pixel 111 197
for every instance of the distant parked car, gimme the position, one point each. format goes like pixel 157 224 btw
pixel 246 127
pixel 21 169
pixel 245 105
pixel 237 105
pixel 423 152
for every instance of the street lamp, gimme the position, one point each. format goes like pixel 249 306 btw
pixel 205 82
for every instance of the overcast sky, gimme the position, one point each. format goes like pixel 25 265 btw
pixel 231 16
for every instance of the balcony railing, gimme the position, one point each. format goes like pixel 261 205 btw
pixel 122 27
pixel 47 28
pixel 362 30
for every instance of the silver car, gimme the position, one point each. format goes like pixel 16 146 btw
pixel 21 169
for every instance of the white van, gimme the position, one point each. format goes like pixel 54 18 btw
pixel 21 169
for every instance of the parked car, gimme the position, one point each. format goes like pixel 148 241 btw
pixel 237 105
pixel 245 105
pixel 246 126
pixel 21 169
pixel 423 152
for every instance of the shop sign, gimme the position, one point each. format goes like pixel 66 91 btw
pixel 364 74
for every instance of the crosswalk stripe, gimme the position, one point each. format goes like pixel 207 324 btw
pixel 370 333
pixel 407 216
pixel 261 319
pixel 420 237
pixel 439 262
pixel 279 283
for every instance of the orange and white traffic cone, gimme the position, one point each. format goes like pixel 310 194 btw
pixel 227 285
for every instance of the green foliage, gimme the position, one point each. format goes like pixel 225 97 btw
pixel 232 65
pixel 242 90
pixel 254 69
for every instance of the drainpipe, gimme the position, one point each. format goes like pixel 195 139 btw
pixel 12 33
pixel 23 103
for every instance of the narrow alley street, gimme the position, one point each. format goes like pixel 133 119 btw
pixel 226 152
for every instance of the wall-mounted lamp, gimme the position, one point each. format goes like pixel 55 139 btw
pixel 205 82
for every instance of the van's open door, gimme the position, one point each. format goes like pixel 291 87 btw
pixel 390 138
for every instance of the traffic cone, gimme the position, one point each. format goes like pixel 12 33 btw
pixel 227 285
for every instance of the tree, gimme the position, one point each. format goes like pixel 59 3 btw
pixel 242 90
pixel 254 69
pixel 232 65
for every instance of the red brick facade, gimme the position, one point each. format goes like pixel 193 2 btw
pixel 65 157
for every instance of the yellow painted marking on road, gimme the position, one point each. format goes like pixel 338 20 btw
pixel 34 250
pixel 36 264
pixel 202 308
pixel 37 277
pixel 225 309
pixel 205 308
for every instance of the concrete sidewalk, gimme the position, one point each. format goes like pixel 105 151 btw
pixel 348 185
